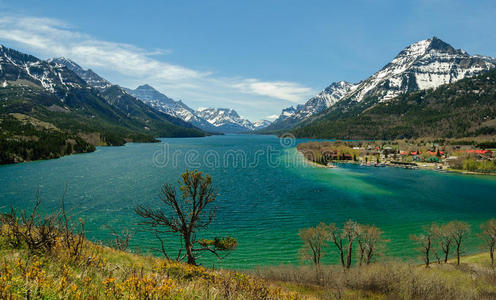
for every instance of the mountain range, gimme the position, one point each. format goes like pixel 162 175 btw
pixel 422 65
pixel 219 120
pixel 216 120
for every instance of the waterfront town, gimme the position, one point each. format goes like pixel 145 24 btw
pixel 448 155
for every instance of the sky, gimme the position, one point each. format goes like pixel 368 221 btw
pixel 257 57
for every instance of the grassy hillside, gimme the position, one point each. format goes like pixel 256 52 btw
pixel 465 108
pixel 101 272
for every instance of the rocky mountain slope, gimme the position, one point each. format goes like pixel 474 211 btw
pixel 422 65
pixel 90 77
pixel 325 99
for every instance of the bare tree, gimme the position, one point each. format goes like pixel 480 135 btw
pixel 459 231
pixel 186 215
pixel 120 240
pixel 488 234
pixel 73 233
pixel 338 240
pixel 344 239
pixel 41 233
pixel 425 241
pixel 38 232
pixel 315 240
pixel 350 233
pixel 444 237
pixel 369 239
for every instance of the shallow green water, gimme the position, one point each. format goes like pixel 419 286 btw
pixel 263 200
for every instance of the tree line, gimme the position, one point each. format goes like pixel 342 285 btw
pixel 363 243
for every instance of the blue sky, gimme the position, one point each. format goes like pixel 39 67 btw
pixel 254 56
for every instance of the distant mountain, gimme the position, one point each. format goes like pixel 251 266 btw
pixel 217 120
pixel 90 77
pixel 49 93
pixel 178 109
pixel 422 65
pixel 225 119
pixel 325 99
pixel 260 124
pixel 287 113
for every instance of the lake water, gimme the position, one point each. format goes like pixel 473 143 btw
pixel 266 193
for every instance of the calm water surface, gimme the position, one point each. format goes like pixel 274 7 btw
pixel 266 193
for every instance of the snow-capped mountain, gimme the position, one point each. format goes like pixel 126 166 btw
pixel 91 78
pixel 225 119
pixel 325 99
pixel 19 68
pixel 286 113
pixel 221 120
pixel 422 65
pixel 178 109
pixel 260 124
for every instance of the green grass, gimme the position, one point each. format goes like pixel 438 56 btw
pixel 102 272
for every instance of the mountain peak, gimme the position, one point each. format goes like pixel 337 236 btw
pixel 438 44
pixel 422 47
pixel 67 62
pixel 225 119
pixel 90 77
pixel 146 87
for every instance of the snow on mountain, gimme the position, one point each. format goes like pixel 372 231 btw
pixel 225 119
pixel 91 78
pixel 162 103
pixel 286 113
pixel 222 120
pixel 422 65
pixel 260 124
pixel 20 68
pixel 325 99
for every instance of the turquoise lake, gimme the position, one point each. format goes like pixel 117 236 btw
pixel 266 193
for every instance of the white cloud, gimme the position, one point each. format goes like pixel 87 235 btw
pixel 272 117
pixel 135 65
pixel 289 91
pixel 55 38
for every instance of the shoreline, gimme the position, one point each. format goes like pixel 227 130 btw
pixel 418 167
